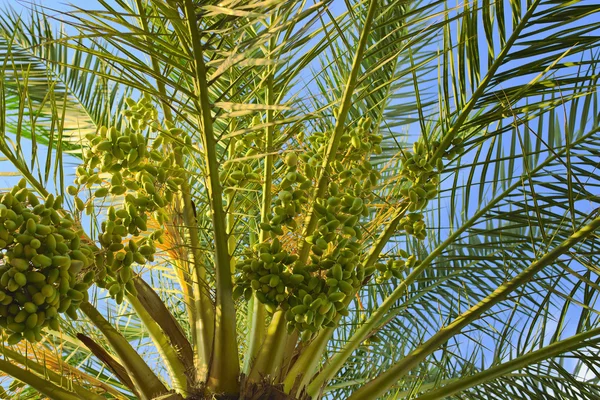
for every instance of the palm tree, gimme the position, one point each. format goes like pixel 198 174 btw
pixel 294 200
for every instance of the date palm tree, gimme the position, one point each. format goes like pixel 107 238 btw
pixel 300 200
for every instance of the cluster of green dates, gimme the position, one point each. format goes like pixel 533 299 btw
pixel 315 292
pixel 414 224
pixel 394 267
pixel 141 114
pixel 422 168
pixel 252 143
pixel 239 176
pixel 45 268
pixel 311 295
pixel 290 201
pixel 145 172
pixel 266 274
pixel 327 286
pixel 335 243
pixel 240 173
pixel 120 257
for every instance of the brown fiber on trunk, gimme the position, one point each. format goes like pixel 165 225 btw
pixel 264 391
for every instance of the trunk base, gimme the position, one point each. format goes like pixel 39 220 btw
pixel 250 391
pixel 264 391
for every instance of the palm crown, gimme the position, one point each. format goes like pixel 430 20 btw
pixel 295 200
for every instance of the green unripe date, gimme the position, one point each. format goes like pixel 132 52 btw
pixel 337 297
pixel 14 339
pixel 345 287
pixel 31 321
pixel 31 226
pixel 20 279
pixel 47 290
pixel 19 263
pixel 30 307
pixel 291 159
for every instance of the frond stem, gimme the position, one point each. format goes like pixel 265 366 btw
pixel 224 367
pixel 41 385
pixel 167 352
pixel 200 310
pixel 260 347
pixel 146 382
pixel 334 141
pixel 466 111
pixel 59 379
